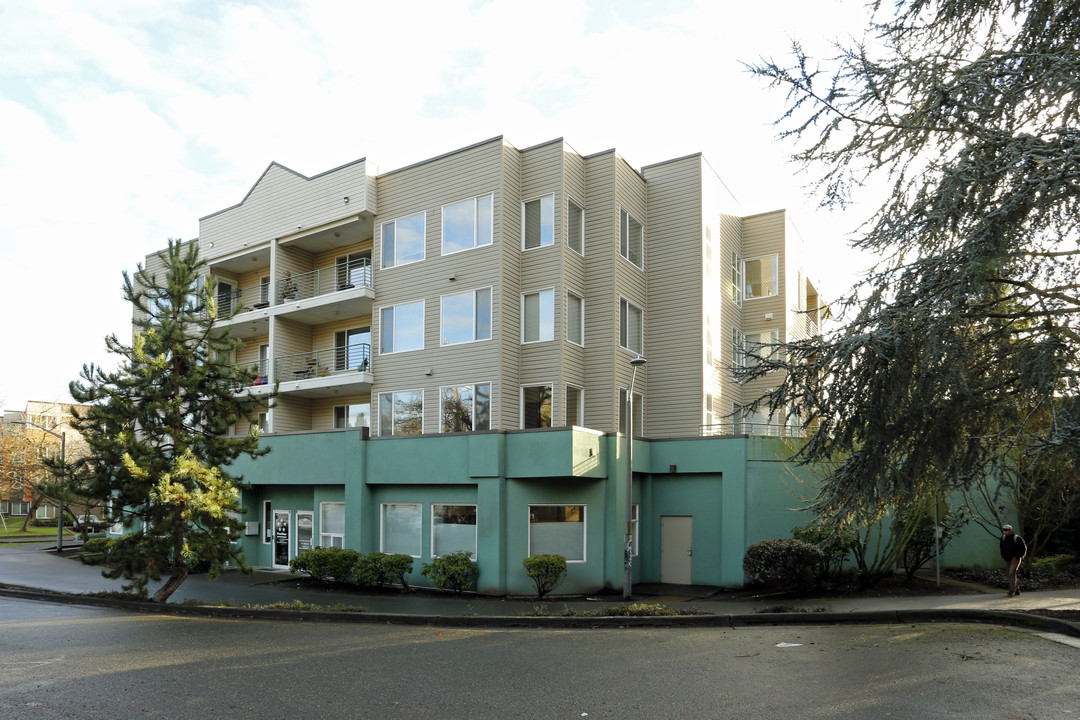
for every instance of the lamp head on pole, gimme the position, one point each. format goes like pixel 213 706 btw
pixel 637 362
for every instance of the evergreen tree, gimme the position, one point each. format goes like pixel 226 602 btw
pixel 157 429
pixel 968 329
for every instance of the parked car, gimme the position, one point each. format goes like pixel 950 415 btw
pixel 89 523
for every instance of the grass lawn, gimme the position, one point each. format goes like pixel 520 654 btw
pixel 14 525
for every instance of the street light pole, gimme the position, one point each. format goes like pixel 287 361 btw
pixel 628 558
pixel 59 499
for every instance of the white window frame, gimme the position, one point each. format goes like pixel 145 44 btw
pixel 584 529
pixel 635 525
pixel 346 414
pixel 738 350
pixel 476 523
pixel 394 311
pixel 482 237
pixel 579 411
pixel 580 341
pixel 395 261
pixel 541 337
pixel 774 339
pixel 775 276
pixel 393 422
pixel 625 240
pixel 477 303
pixel 442 399
pixel 382 527
pixel 521 403
pixel 708 414
pixel 737 287
pixel 323 535
pixel 579 236
pixel 624 326
pixel 267 523
pixel 546 208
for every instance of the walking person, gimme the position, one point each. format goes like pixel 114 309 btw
pixel 1013 550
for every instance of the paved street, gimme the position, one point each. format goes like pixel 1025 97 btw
pixel 63 661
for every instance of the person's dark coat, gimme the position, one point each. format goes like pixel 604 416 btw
pixel 1012 546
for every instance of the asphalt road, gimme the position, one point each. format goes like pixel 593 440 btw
pixel 60 661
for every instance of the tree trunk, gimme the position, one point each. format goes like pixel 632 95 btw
pixel 175 580
pixel 30 514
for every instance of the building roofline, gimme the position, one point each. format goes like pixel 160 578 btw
pixel 673 160
pixel 275 163
pixel 540 145
pixel 497 138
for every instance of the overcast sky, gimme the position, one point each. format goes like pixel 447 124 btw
pixel 125 121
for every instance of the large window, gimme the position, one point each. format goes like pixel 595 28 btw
pixel 401 413
pixel 538 222
pixel 332 524
pixel 401 529
pixel 631 328
pixel 557 530
pixel 402 328
pixel 760 346
pixel 464 408
pixel 453 529
pixel 352 416
pixel 575 227
pixel 536 406
pixel 403 240
pixel 631 239
pixel 575 318
pixel 762 276
pixel 466 224
pixel 639 412
pixel 738 354
pixel 538 316
pixel 575 406
pixel 466 317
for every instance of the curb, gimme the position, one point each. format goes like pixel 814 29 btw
pixel 1010 618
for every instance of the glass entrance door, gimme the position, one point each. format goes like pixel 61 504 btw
pixel 281 538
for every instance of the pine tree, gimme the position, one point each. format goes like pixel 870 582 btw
pixel 970 326
pixel 158 430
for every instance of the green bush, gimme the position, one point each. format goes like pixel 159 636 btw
pixel 546 571
pixel 454 571
pixel 784 562
pixel 325 564
pixel 382 569
pixel 833 539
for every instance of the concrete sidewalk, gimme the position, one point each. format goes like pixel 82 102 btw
pixel 33 566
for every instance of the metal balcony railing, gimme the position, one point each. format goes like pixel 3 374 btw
pixel 234 302
pixel 323 363
pixel 755 429
pixel 261 369
pixel 345 276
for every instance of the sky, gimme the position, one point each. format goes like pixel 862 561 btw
pixel 122 122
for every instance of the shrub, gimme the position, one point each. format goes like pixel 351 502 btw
pixel 382 569
pixel 784 562
pixel 546 571
pixel 834 539
pixel 454 571
pixel 325 564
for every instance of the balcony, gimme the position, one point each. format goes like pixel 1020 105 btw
pixel 322 373
pixel 245 310
pixel 323 294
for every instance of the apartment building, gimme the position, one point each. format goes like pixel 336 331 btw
pixel 452 346
pixel 26 437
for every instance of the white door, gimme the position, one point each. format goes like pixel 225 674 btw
pixel 282 546
pixel 676 548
